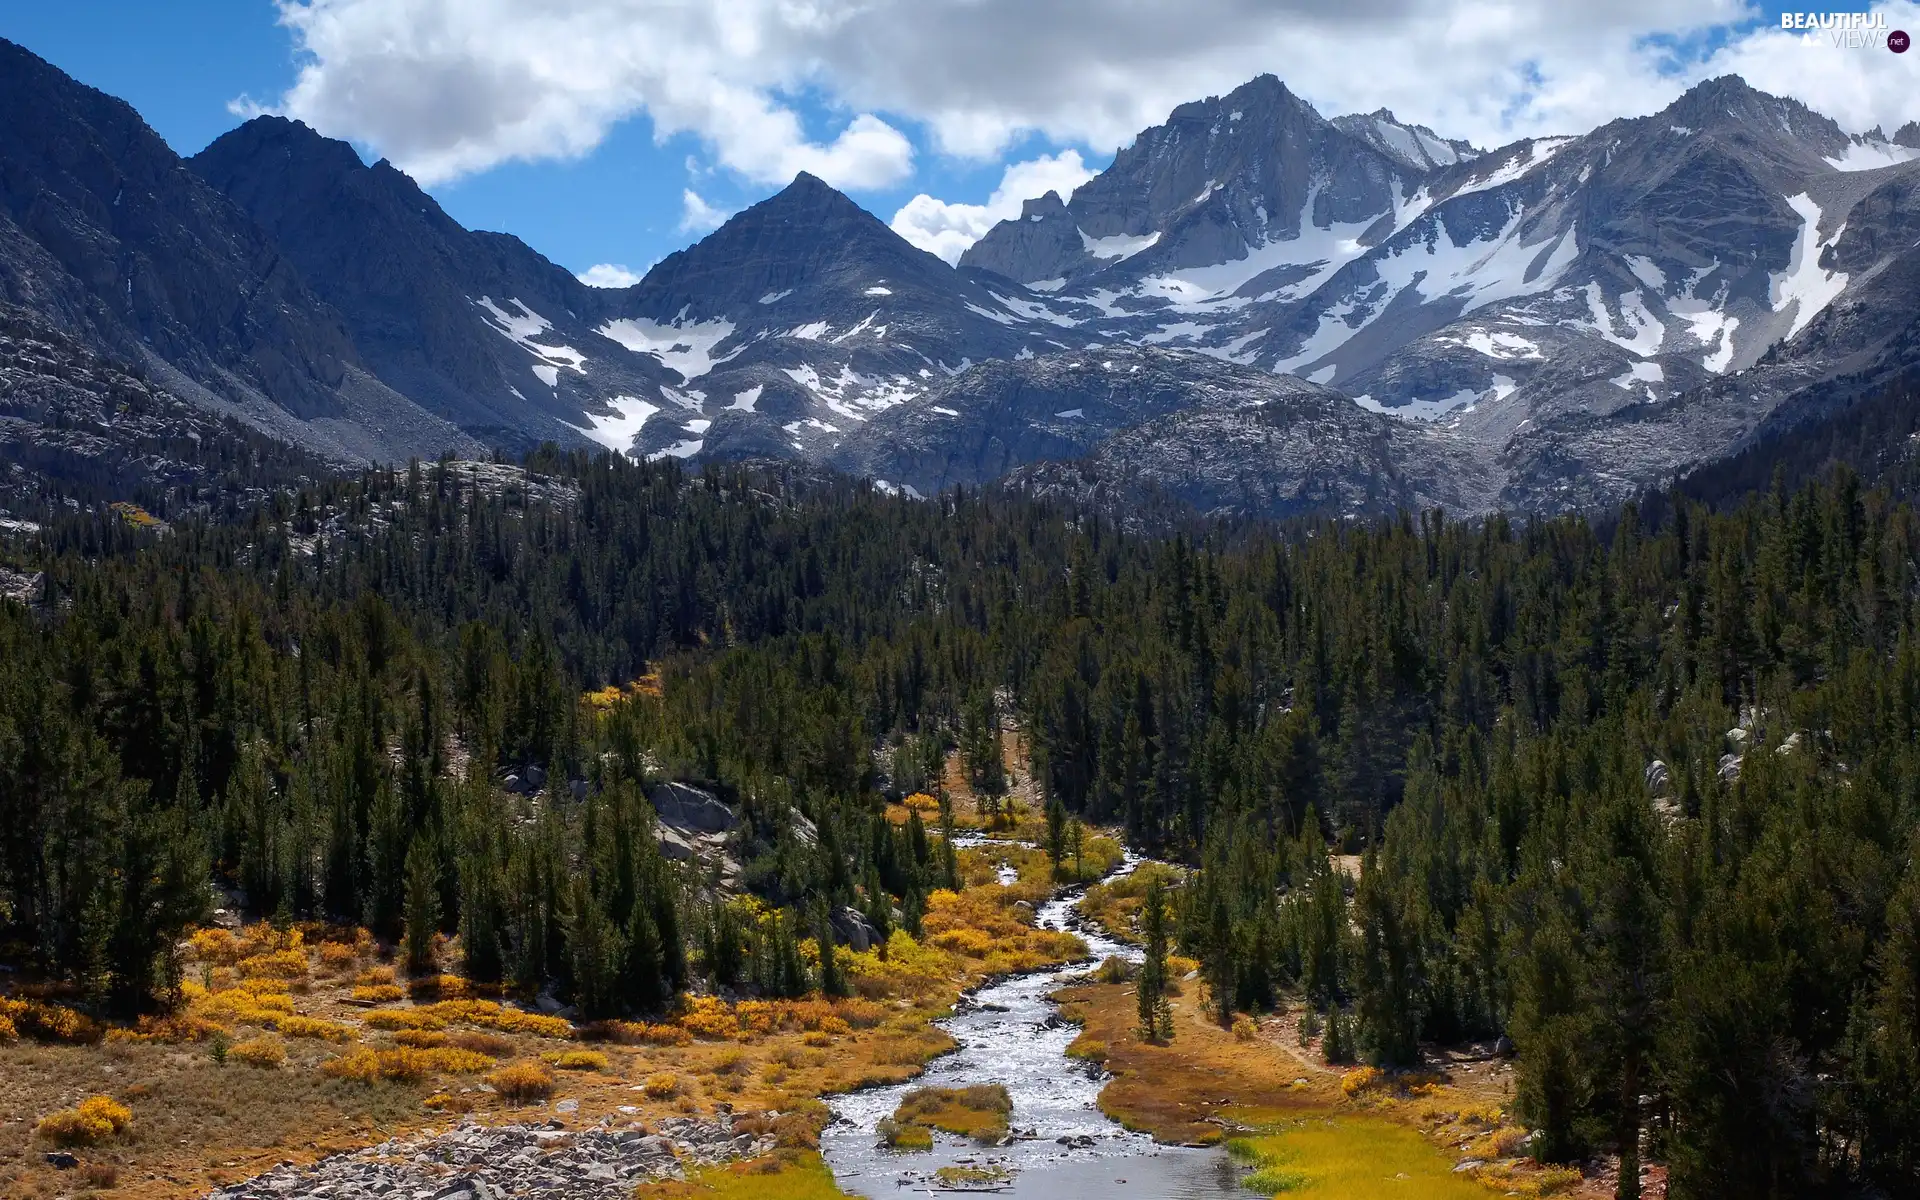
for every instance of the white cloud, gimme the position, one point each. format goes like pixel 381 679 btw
pixel 1859 88
pixel 697 216
pixel 608 275
pixel 948 229
pixel 448 87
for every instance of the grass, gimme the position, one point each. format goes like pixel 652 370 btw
pixel 982 1112
pixel 797 1175
pixel 1351 1158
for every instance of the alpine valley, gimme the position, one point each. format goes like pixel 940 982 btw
pixel 1255 310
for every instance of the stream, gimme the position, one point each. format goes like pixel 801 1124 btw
pixel 1065 1148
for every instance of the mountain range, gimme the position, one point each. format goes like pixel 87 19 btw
pixel 1253 310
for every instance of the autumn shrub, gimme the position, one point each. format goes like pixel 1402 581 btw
pixel 662 1086
pixel 173 1029
pixel 490 1044
pixel 375 977
pixel 1245 1028
pixel 421 1039
pixel 522 1082
pixel 580 1060
pixel 405 1064
pixel 45 1021
pixel 259 1052
pixel 379 993
pixel 337 957
pixel 96 1119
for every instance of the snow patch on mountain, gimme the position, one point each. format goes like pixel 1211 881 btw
pixel 685 346
pixel 1805 283
pixel 1119 246
pixel 617 431
pixel 522 328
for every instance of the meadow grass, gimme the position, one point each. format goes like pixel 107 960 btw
pixel 1351 1158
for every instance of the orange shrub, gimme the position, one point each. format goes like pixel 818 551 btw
pixel 420 1039
pixel 46 1022
pixel 375 977
pixel 639 1033
pixel 379 993
pixel 215 946
pixel 175 1029
pixel 337 957
pixel 522 1082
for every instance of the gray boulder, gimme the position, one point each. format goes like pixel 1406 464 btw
pixel 852 929
pixel 689 808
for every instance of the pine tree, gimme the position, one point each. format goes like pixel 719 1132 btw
pixel 423 906
pixel 1156 1013
pixel 1057 836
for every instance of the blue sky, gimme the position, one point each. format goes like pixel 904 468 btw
pixel 586 127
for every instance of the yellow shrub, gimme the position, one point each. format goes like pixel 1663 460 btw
pixel 290 963
pixel 375 977
pixel 337 956
pixel 405 1065
pixel 175 1029
pixel 663 1086
pixel 522 1082
pixel 404 1018
pixel 310 1027
pixel 709 1018
pixel 95 1120
pixel 579 1060
pixel 215 946
pixel 637 1033
pixel 260 1052
pixel 1245 1029
pixel 1361 1080
pixel 48 1022
pixel 380 993
pixel 8 1031
pixel 420 1039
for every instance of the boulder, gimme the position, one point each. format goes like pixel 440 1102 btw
pixel 852 929
pixel 686 807
pixel 804 831
pixel 676 844
pixel 579 789
pixel 1658 780
pixel 1730 768
pixel 536 778
pixel 1789 746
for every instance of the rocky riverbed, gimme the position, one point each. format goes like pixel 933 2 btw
pixel 532 1161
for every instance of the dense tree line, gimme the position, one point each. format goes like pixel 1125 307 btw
pixel 1639 797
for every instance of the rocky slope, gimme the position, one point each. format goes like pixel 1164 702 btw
pixel 105 231
pixel 78 430
pixel 475 327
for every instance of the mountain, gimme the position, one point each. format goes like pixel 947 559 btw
pixel 475 327
pixel 800 318
pixel 1253 309
pixel 106 232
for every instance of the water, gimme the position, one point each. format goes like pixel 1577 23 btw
pixel 1011 1034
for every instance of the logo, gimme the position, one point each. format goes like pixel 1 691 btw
pixel 1898 41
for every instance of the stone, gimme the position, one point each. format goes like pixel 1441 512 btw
pixel 60 1160
pixel 690 808
pixel 852 929
pixel 1657 777
pixel 536 778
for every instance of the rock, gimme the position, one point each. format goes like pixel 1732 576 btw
pixel 60 1160
pixel 675 844
pixel 536 778
pixel 578 787
pixel 689 808
pixel 852 929
pixel 516 785
pixel 1730 768
pixel 1737 739
pixel 1657 778
pixel 1789 746
pixel 1503 1046
pixel 566 1106
pixel 1468 1164
pixel 804 831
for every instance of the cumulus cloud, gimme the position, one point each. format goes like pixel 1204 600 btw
pixel 1859 87
pixel 697 216
pixel 608 275
pixel 948 229
pixel 447 87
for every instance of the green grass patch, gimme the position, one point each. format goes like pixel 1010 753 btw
pixel 1349 1158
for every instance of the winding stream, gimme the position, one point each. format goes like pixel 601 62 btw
pixel 1011 1034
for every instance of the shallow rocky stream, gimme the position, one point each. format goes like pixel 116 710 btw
pixel 1065 1148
